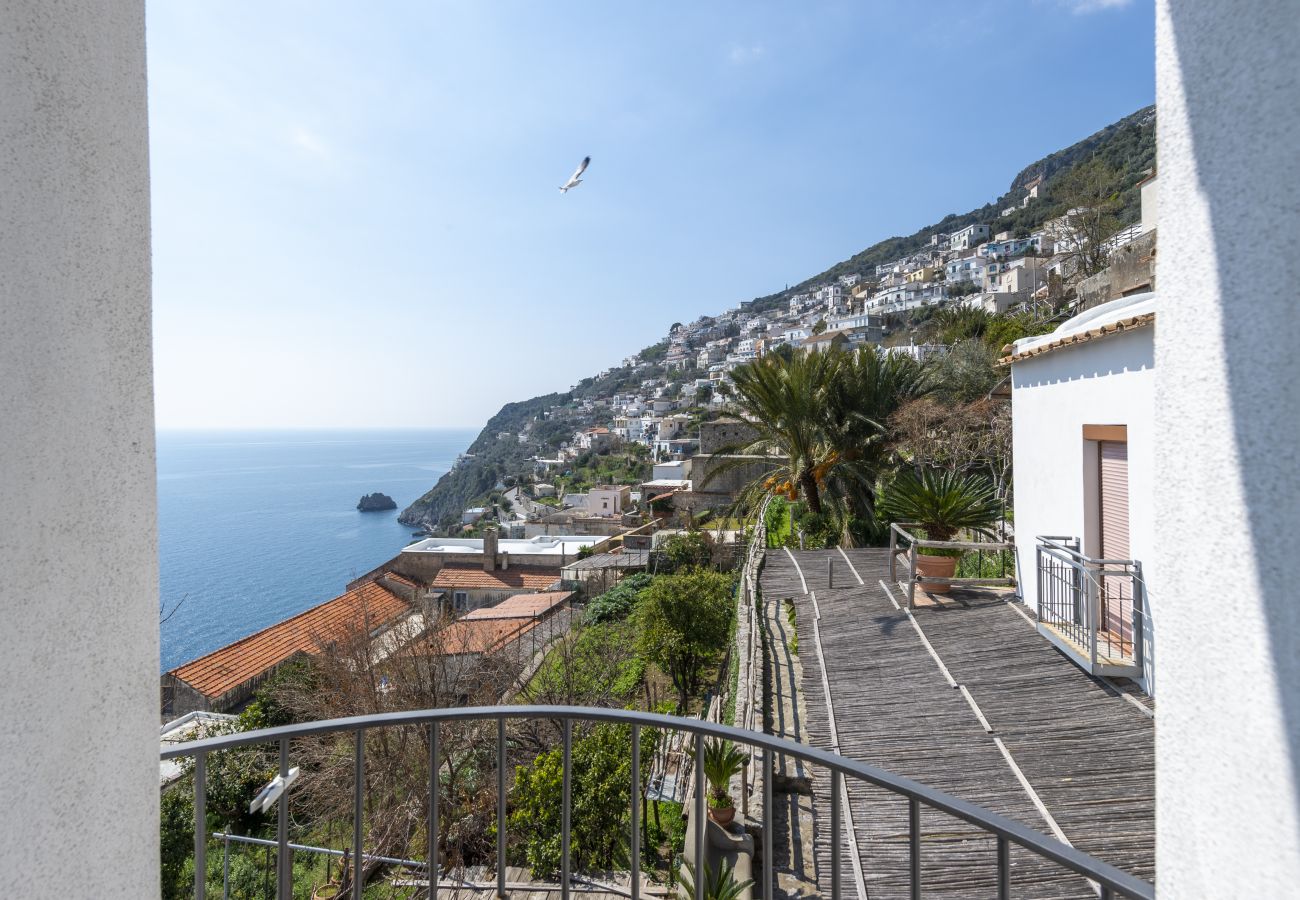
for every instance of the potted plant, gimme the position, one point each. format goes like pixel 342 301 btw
pixel 943 504
pixel 722 760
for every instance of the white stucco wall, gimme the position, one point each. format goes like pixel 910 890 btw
pixel 1110 381
pixel 78 554
pixel 1228 416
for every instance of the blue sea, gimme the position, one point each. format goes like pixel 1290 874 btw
pixel 255 527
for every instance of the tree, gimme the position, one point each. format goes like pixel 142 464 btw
pixel 1090 197
pixel 867 389
pixel 684 622
pixel 782 395
pixel 351 674
pixel 821 418
pixel 966 373
pixel 601 782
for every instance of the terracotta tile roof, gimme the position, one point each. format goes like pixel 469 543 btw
pixel 401 579
pixel 225 669
pixel 521 606
pixel 467 576
pixel 1081 337
pixel 479 635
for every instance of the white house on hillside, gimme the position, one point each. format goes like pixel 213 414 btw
pixel 1083 420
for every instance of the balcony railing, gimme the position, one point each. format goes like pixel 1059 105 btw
pixel 1110 881
pixel 905 542
pixel 1093 609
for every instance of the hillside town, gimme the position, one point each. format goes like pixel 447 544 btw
pixel 672 408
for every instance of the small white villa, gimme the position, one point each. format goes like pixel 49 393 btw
pixel 1083 414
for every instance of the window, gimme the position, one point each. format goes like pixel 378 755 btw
pixel 461 599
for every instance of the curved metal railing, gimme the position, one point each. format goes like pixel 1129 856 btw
pixel 1110 881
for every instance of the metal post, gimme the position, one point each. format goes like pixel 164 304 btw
pixel 914 845
pixel 836 815
pixel 1094 617
pixel 433 811
pixel 566 808
pixel 283 872
pixel 1004 868
pixel 893 551
pixel 501 808
pixel 769 861
pixel 358 812
pixel 830 572
pixel 701 864
pixel 911 576
pixel 200 825
pixel 1139 614
pixel 636 812
pixel 225 868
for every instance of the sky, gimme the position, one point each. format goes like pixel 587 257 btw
pixel 356 221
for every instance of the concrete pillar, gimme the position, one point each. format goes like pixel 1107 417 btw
pixel 1228 432
pixel 78 547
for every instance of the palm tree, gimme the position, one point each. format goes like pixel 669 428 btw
pixel 821 418
pixel 784 399
pixel 869 387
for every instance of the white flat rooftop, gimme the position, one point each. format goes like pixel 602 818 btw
pixel 550 544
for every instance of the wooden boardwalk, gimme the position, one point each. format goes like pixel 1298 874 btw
pixel 1061 752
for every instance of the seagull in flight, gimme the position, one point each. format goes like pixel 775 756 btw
pixel 576 178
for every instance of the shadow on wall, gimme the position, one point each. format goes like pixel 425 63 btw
pixel 1248 176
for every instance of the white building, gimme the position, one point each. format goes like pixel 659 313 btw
pixel 969 237
pixel 966 268
pixel 1083 413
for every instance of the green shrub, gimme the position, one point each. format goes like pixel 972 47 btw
pixel 617 603
pixel 684 551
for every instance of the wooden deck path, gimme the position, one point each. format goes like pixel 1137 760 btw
pixel 1058 744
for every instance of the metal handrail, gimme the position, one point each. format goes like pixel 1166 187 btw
pixel 899 529
pixel 1112 880
pixel 1084 591
pixel 1056 543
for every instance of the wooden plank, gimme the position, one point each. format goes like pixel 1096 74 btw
pixel 1087 752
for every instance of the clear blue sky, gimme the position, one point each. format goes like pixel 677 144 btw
pixel 356 220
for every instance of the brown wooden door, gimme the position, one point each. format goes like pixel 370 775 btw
pixel 1116 589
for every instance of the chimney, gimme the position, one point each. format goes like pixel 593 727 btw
pixel 490 550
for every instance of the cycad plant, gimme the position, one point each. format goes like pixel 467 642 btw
pixel 722 761
pixel 942 503
pixel 719 883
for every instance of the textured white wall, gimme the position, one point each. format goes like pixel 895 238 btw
pixel 1104 382
pixel 1228 416
pixel 78 555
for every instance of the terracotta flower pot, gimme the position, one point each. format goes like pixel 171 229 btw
pixel 722 816
pixel 936 567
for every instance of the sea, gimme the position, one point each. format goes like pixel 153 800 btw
pixel 254 527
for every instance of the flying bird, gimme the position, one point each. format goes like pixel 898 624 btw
pixel 576 178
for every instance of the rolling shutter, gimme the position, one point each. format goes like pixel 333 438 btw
pixel 1114 500
pixel 1117 593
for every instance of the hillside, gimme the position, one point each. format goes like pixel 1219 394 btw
pixel 1127 145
